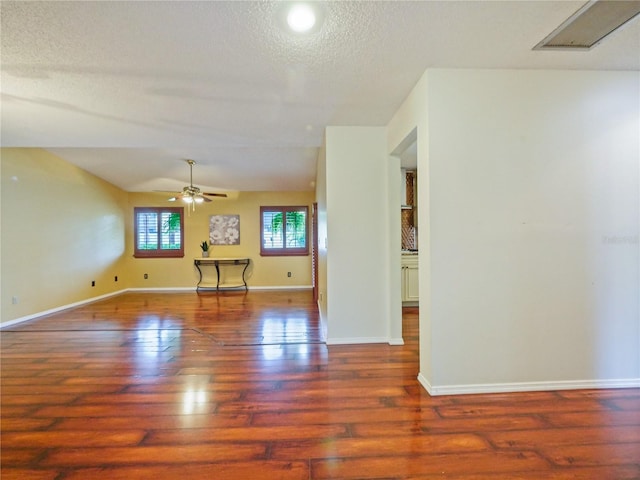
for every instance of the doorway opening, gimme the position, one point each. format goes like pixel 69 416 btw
pixel 407 225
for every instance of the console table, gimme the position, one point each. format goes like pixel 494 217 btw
pixel 223 282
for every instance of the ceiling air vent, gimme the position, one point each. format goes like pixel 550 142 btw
pixel 589 25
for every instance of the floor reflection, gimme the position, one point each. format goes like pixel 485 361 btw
pixel 194 400
pixel 257 318
pixel 277 329
pixel 154 336
pixel 298 351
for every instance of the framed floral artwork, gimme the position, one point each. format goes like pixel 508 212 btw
pixel 224 230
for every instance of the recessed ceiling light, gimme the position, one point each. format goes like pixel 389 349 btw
pixel 591 24
pixel 301 18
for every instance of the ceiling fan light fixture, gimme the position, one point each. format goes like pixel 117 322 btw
pixel 191 194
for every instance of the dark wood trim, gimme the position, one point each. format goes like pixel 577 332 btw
pixel 157 253
pixel 314 252
pixel 284 251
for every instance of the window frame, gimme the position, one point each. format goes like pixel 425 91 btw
pixel 284 251
pixel 157 252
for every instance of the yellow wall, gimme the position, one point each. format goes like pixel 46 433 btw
pixel 63 228
pixel 180 272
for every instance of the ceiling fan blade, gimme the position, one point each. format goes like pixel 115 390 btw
pixel 191 194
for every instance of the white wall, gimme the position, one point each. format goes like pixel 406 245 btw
pixel 534 229
pixel 321 200
pixel 357 235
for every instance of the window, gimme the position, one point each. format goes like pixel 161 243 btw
pixel 159 232
pixel 283 231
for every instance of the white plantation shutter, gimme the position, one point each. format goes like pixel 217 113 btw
pixel 272 231
pixel 147 230
pixel 169 238
pixel 284 230
pixel 296 229
pixel 159 232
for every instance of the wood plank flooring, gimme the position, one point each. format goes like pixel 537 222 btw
pixel 240 386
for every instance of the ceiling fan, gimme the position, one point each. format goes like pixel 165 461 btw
pixel 191 194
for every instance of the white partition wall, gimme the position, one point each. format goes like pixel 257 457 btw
pixel 532 202
pixel 357 241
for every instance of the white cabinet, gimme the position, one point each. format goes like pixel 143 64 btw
pixel 410 291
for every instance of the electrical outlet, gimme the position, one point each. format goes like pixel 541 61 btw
pixel 15 300
pixel 93 283
pixel 146 275
pixel 288 274
pixel 115 279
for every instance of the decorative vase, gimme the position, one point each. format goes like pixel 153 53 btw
pixel 205 254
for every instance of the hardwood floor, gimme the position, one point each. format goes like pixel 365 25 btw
pixel 240 386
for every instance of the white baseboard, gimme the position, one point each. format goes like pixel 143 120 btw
pixel 161 289
pixel 323 323
pixel 425 383
pixel 59 309
pixel 528 386
pixel 361 340
pixel 282 287
pixel 213 289
pixel 356 340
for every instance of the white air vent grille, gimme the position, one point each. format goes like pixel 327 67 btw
pixel 589 25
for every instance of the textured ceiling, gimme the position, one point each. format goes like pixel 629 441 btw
pixel 126 90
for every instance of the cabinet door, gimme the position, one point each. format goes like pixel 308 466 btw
pixel 411 292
